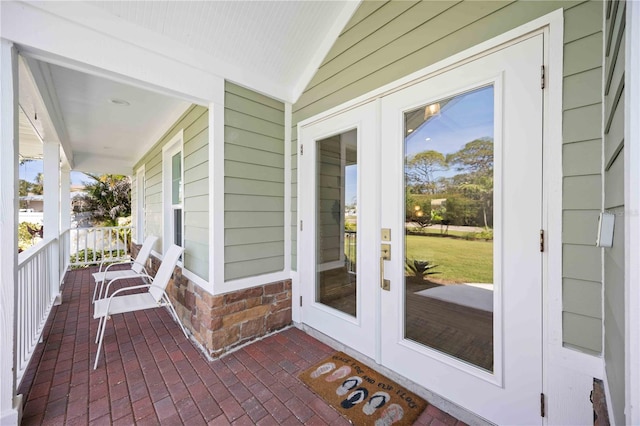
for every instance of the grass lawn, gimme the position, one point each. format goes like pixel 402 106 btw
pixel 458 261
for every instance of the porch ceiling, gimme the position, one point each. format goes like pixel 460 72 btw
pixel 272 47
pixel 109 124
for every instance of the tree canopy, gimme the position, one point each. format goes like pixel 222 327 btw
pixel 422 166
pixel 468 195
pixel 475 157
pixel 107 198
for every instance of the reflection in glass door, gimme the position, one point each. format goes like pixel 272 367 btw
pixel 448 149
pixel 336 221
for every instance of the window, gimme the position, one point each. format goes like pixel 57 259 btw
pixel 176 197
pixel 173 192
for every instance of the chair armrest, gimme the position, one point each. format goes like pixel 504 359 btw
pixel 117 263
pixel 106 260
pixel 106 293
pixel 135 287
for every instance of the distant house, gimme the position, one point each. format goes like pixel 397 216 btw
pixel 32 203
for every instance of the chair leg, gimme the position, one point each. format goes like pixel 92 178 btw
pixel 95 290
pixel 101 323
pixel 175 316
pixel 99 291
pixel 95 365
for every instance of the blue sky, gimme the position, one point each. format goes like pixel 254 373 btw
pixel 469 117
pixel 30 169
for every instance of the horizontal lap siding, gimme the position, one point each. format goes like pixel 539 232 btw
pixel 385 41
pixel 254 184
pixel 195 126
pixel 582 182
pixel 614 202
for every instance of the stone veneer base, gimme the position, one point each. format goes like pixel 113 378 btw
pixel 222 322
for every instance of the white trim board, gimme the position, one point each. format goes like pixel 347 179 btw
pixel 632 214
pixel 331 36
pixel 10 405
pixel 140 203
pixel 216 194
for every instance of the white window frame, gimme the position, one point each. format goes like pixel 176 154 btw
pixel 140 204
pixel 175 146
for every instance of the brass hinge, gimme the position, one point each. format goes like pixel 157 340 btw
pixel 301 149
pixel 301 225
pixel 541 240
pixel 542 75
pixel 542 413
pixel 300 300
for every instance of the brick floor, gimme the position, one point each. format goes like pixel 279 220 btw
pixel 150 374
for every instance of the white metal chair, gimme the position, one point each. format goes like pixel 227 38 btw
pixel 155 297
pixel 137 268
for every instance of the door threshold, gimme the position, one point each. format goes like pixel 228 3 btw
pixel 434 399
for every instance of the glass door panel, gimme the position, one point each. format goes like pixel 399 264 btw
pixel 448 151
pixel 336 221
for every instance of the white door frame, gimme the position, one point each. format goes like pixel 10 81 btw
pixel 561 365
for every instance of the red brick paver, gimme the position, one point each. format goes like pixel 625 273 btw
pixel 150 374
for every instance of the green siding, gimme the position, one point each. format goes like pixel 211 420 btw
pixel 614 306
pixel 195 125
pixel 582 183
pixel 254 183
pixel 385 41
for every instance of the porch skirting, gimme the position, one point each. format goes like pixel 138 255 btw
pixel 222 322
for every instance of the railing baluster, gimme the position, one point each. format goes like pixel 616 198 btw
pixel 95 239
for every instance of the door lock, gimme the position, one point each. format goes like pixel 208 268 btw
pixel 385 254
pixel 385 251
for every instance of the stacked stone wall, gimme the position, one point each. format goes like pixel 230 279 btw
pixel 221 322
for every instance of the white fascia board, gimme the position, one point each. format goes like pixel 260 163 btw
pixel 79 36
pixel 91 40
pixel 321 52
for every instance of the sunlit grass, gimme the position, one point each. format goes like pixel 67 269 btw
pixel 458 260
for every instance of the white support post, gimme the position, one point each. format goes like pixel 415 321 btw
pixel 10 403
pixel 51 219
pixel 65 199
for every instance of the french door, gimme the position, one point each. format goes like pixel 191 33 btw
pixel 421 248
pixel 341 208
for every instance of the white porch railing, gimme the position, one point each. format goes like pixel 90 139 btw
pixel 36 292
pixel 350 250
pixel 41 270
pixel 92 245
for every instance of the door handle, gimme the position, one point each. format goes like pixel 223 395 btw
pixel 385 254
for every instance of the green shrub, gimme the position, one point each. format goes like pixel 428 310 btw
pixel 420 268
pixel 80 256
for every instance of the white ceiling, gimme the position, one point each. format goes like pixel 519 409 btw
pixel 273 47
pixel 267 40
pixel 102 133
